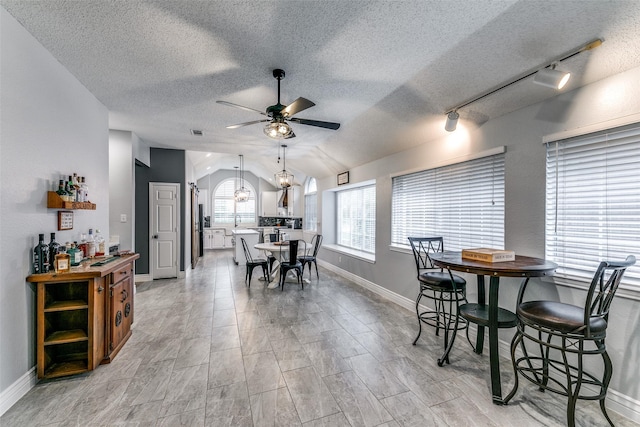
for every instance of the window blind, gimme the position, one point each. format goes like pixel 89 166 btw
pixel 311 205
pixel 463 203
pixel 593 202
pixel 225 207
pixel 357 218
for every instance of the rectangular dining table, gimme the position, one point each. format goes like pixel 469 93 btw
pixel 489 314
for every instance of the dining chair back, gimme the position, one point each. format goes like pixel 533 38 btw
pixel 311 257
pixel 293 263
pixel 253 263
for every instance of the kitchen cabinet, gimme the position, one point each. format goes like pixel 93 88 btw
pixel 74 316
pixel 214 238
pixel 269 203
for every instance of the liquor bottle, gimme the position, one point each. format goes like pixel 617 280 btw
pixel 61 192
pixel 82 194
pixel 75 255
pixel 72 190
pixel 53 248
pixel 62 262
pixel 41 256
pixel 100 243
pixel 83 245
pixel 85 190
pixel 91 244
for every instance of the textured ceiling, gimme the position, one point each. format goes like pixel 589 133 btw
pixel 386 70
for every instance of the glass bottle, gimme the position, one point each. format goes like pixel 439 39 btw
pixel 83 245
pixel 91 244
pixel 100 243
pixel 72 190
pixel 75 255
pixel 41 256
pixel 62 262
pixel 61 192
pixel 85 190
pixel 53 248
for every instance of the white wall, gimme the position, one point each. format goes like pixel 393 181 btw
pixel 521 132
pixel 121 187
pixel 50 125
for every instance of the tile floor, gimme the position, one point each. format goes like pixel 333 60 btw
pixel 208 351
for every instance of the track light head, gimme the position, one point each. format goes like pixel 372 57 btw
pixel 550 77
pixel 452 121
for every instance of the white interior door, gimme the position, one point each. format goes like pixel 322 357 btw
pixel 165 204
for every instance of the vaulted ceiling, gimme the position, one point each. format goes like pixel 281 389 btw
pixel 386 70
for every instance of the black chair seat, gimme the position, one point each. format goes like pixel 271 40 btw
pixel 564 318
pixel 442 280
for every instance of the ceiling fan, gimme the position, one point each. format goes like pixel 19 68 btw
pixel 279 115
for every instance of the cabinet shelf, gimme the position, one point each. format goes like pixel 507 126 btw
pixel 72 364
pixel 64 337
pixel 66 305
pixel 56 202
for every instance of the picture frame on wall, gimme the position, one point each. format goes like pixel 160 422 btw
pixel 343 178
pixel 65 220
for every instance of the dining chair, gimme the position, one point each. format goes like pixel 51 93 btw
pixel 563 336
pixel 311 258
pixel 445 289
pixel 293 263
pixel 253 263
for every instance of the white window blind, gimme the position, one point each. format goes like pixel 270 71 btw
pixel 311 205
pixel 225 207
pixel 593 202
pixel 357 218
pixel 463 203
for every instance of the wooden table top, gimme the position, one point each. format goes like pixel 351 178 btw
pixel 86 269
pixel 523 266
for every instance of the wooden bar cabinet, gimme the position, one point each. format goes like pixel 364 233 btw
pixel 84 317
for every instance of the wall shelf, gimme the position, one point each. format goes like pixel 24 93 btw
pixel 54 201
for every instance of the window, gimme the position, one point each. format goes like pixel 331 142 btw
pixel 225 207
pixel 311 205
pixel 463 203
pixel 357 218
pixel 593 202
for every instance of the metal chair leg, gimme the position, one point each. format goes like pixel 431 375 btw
pixel 419 319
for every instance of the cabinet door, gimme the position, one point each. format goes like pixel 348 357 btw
pixel 98 336
pixel 269 203
pixel 218 239
pixel 117 315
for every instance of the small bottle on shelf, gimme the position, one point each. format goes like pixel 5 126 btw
pixel 61 192
pixel 72 190
pixel 100 243
pixel 75 255
pixel 85 190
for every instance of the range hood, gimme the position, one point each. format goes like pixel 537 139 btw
pixel 284 199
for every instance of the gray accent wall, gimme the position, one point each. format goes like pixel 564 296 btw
pixel 165 166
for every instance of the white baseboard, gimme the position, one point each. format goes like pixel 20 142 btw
pixel 18 389
pixel 142 278
pixel 616 401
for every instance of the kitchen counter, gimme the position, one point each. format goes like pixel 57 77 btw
pixel 243 231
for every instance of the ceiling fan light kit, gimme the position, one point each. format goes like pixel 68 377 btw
pixel 546 76
pixel 279 114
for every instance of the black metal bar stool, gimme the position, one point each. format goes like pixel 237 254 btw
pixel 563 335
pixel 444 289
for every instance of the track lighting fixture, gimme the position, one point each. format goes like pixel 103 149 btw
pixel 546 75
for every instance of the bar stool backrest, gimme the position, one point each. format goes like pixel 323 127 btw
pixel 422 247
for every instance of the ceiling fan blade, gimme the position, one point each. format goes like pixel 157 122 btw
pixel 317 123
pixel 239 125
pixel 296 106
pixel 231 104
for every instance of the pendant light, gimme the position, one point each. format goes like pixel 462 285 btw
pixel 284 179
pixel 241 194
